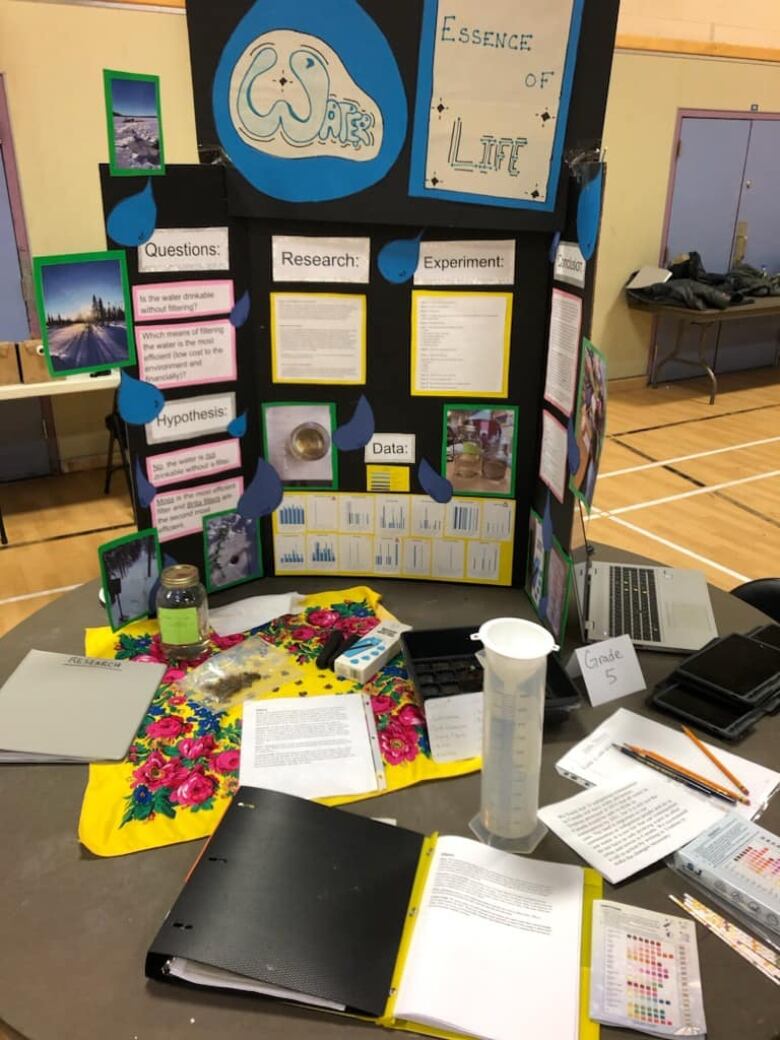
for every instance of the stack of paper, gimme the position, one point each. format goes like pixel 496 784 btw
pixel 632 816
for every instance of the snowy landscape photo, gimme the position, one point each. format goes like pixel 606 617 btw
pixel 232 549
pixel 133 104
pixel 130 567
pixel 83 305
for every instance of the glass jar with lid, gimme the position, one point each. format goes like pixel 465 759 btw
pixel 468 453
pixel 182 612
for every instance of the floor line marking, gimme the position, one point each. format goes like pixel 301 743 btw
pixel 68 534
pixel 672 545
pixel 35 595
pixel 689 494
pixel 685 422
pixel 686 458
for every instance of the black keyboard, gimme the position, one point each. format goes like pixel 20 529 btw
pixel 634 604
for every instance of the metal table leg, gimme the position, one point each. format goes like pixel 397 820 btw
pixel 702 327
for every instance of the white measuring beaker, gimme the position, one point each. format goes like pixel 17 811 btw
pixel 515 666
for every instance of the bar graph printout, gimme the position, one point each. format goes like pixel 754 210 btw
pixel 396 535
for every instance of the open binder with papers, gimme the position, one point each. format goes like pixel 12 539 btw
pixel 440 935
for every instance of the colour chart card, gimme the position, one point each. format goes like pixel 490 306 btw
pixel 402 536
pixel 645 971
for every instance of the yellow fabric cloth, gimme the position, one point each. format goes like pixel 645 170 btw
pixel 182 767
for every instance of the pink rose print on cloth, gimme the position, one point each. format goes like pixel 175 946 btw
pixel 226 761
pixel 196 789
pixel 185 756
pixel 168 727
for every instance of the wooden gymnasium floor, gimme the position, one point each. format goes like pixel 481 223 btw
pixel 681 481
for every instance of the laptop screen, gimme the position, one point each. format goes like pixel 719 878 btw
pixel 580 554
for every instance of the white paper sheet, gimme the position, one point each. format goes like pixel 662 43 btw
pixel 188 417
pixel 466 263
pixel 455 726
pixel 300 259
pixel 312 748
pixel 563 348
pixel 496 83
pixel 460 343
pixel 552 458
pixel 318 338
pixel 623 827
pixel 645 971
pixel 497 943
pixel 595 761
pixel 251 612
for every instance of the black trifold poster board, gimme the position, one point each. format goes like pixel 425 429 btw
pixel 215 194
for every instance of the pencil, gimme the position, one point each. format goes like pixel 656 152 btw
pixel 652 756
pixel 713 758
pixel 695 785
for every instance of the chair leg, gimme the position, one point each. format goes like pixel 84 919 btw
pixel 3 535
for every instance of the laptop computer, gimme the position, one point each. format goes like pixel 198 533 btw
pixel 660 608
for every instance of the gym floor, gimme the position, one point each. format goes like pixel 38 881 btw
pixel 681 481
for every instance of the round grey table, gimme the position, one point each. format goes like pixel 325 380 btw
pixel 74 929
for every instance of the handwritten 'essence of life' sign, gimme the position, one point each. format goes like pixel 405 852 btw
pixel 492 100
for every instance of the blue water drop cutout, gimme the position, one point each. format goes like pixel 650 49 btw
pixel 144 490
pixel 263 494
pixel 397 260
pixel 556 241
pixel 132 221
pixel 240 311
pixel 237 427
pixel 543 607
pixel 138 402
pixel 589 214
pixel 433 483
pixel 359 430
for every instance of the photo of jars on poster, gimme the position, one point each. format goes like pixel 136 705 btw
pixel 479 448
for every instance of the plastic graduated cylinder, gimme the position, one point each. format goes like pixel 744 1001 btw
pixel 515 664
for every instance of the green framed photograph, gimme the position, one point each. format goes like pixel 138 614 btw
pixel 231 550
pixel 537 560
pixel 134 124
pixel 479 448
pixel 83 302
pixel 129 568
pixel 557 588
pixel 590 422
pixel 298 438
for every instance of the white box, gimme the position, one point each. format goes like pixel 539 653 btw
pixel 373 650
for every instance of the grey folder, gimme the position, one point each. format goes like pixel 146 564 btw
pixel 66 708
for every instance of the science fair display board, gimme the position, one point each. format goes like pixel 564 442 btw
pixel 354 317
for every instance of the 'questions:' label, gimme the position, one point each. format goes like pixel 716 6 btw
pixel 185 249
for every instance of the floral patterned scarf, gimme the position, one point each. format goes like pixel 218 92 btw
pixel 182 766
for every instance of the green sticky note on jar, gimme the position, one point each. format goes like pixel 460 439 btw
pixel 178 625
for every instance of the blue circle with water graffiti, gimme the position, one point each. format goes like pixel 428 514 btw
pixel 366 55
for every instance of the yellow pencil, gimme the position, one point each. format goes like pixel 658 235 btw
pixel 713 758
pixel 689 773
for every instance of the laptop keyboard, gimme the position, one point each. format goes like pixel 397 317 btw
pixel 634 604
